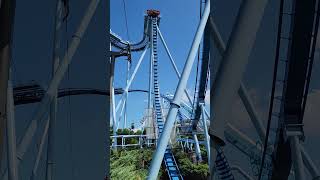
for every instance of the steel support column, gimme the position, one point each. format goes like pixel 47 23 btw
pixel 6 20
pixel 53 106
pixel 11 136
pixel 175 104
pixel 297 158
pixel 126 104
pixel 40 150
pixel 197 147
pixel 311 167
pixel 114 113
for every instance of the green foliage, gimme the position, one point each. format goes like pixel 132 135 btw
pixel 138 132
pixel 190 170
pixel 130 164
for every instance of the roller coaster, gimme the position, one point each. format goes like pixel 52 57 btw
pixel 270 159
pixel 281 158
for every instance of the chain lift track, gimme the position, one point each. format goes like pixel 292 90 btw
pixel 169 160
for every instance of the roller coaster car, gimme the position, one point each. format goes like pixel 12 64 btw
pixel 153 13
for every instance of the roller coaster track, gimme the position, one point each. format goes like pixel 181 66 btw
pixel 119 43
pixel 169 160
pixel 298 63
pixel 204 75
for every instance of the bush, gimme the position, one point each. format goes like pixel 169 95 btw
pixel 190 170
pixel 130 164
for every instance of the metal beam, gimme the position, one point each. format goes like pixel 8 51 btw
pixel 312 168
pixel 50 162
pixel 204 75
pixel 40 150
pixel 197 147
pixel 113 101
pixel 7 12
pixel 126 104
pixel 11 136
pixel 297 158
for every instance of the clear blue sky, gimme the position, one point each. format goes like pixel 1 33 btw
pixel 178 25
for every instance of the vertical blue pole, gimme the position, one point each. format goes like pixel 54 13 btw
pixel 297 158
pixel 126 104
pixel 197 147
pixel 11 135
pixel 40 149
pixel 175 105
pixel 53 106
pixel 114 122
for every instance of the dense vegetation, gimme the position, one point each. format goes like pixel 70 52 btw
pixel 133 163
pixel 189 169
pixel 130 164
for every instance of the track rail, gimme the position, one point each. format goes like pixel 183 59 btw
pixel 123 45
pixel 169 160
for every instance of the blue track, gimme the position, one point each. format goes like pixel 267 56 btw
pixel 222 166
pixel 169 161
